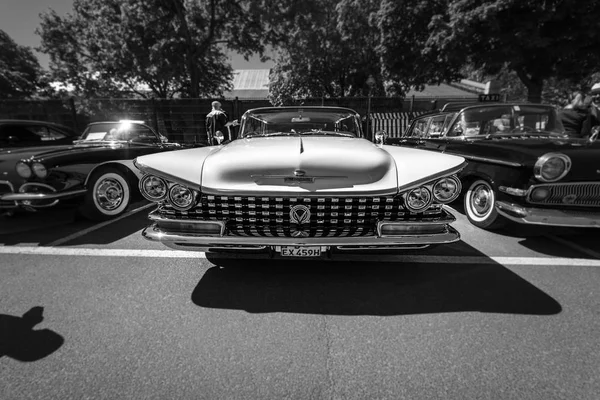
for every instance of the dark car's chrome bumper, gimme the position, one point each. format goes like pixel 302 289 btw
pixel 40 196
pixel 545 216
pixel 222 242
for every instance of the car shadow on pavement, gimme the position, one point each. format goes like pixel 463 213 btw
pixel 19 341
pixel 368 288
pixel 48 227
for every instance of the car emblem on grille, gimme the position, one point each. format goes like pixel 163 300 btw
pixel 569 199
pixel 299 214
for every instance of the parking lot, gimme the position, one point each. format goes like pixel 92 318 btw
pixel 511 315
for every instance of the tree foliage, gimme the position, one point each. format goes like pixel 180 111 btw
pixel 537 40
pixel 20 70
pixel 164 47
pixel 325 49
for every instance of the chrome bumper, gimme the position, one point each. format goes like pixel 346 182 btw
pixel 551 217
pixel 195 242
pixel 41 196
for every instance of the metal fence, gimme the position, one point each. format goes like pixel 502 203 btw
pixel 183 120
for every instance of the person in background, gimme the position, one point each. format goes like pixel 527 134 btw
pixel 595 108
pixel 576 116
pixel 217 127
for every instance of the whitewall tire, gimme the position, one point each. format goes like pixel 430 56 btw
pixel 480 206
pixel 108 196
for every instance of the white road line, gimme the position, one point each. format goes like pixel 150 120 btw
pixel 83 232
pixel 574 246
pixel 415 259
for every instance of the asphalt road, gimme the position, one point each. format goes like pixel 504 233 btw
pixel 92 311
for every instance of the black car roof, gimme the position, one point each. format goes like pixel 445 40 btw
pixel 37 122
pixel 287 108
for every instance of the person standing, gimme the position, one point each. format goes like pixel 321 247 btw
pixel 217 127
pixel 576 116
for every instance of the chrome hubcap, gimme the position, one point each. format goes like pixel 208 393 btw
pixel 481 200
pixel 109 194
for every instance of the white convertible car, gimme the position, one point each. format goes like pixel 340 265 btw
pixel 300 182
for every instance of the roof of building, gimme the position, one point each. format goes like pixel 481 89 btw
pixel 250 84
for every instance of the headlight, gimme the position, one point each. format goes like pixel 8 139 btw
pixel 39 170
pixel 446 189
pixel 418 199
pixel 23 170
pixel 153 188
pixel 551 167
pixel 181 197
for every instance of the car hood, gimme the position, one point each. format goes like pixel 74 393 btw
pixel 291 164
pixel 288 165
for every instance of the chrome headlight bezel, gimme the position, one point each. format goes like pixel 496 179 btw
pixel 39 170
pixel 543 160
pixel 457 185
pixel 173 197
pixel 146 194
pixel 23 170
pixel 426 203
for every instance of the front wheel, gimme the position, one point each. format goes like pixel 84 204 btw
pixel 480 206
pixel 108 195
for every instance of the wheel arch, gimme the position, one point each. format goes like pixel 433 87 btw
pixel 125 166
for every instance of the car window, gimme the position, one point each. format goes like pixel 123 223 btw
pixel 46 133
pixel 419 128
pixel 436 126
pixel 118 132
pixel 19 133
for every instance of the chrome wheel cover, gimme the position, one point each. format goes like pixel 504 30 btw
pixel 482 200
pixel 109 194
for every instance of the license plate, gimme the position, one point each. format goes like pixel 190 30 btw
pixel 295 251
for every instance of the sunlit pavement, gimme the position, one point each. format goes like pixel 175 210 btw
pixel 105 314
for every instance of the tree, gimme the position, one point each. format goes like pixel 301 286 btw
pixel 150 47
pixel 537 40
pixel 408 55
pixel 325 47
pixel 19 69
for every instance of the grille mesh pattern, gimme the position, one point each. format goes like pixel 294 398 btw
pixel 329 217
pixel 571 194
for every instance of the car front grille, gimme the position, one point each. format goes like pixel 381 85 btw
pixel 272 216
pixel 583 194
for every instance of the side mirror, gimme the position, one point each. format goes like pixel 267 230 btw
pixel 380 137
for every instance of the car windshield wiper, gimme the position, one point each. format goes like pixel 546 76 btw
pixel 322 132
pixel 251 135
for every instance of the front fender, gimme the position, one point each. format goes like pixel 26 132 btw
pixel 127 163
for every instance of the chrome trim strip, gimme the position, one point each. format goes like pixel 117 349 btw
pixel 41 196
pixel 487 160
pixel 432 178
pixel 549 217
pixel 445 220
pixel 203 243
pixel 12 189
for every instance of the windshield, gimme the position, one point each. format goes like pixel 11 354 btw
pixel 300 121
pixel 118 131
pixel 509 120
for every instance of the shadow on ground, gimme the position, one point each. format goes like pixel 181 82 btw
pixel 18 339
pixel 45 227
pixel 368 288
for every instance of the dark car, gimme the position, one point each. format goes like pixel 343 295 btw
pixel 521 165
pixel 96 172
pixel 17 133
